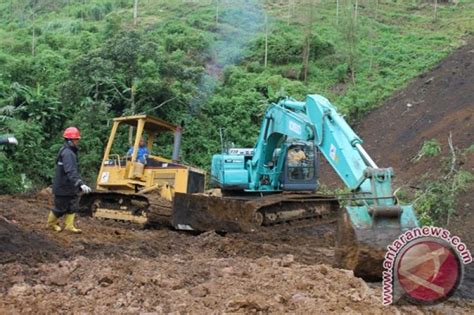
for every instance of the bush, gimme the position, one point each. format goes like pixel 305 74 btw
pixel 341 72
pixel 286 46
pixel 437 202
pixel 430 148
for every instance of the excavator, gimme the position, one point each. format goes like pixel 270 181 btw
pixel 141 190
pixel 277 181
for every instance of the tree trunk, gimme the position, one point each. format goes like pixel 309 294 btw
pixel 356 6
pixel 135 12
pixel 353 42
pixel 33 40
pixel 290 3
pixel 266 41
pixel 307 41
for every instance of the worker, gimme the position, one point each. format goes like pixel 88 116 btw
pixel 67 183
pixel 296 157
pixel 142 153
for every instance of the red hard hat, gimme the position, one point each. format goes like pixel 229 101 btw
pixel 72 133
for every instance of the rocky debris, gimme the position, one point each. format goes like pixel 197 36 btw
pixel 198 285
pixel 114 267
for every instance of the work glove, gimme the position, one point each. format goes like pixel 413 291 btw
pixel 12 140
pixel 86 189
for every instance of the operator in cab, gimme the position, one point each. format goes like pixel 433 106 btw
pixel 67 183
pixel 142 153
pixel 296 156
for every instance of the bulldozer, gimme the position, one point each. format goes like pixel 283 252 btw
pixel 141 190
pixel 277 181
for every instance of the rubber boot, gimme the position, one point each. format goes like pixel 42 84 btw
pixel 53 222
pixel 69 223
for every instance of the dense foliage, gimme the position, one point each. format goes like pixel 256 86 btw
pixel 84 62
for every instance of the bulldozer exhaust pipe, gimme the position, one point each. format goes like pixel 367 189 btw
pixel 177 143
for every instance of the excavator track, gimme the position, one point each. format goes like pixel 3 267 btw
pixel 146 209
pixel 202 212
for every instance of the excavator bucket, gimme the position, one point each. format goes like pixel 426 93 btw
pixel 363 234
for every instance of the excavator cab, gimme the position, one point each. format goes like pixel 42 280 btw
pixel 301 168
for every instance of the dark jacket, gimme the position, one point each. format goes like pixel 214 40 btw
pixel 67 181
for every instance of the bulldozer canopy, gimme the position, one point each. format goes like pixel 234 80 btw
pixel 153 124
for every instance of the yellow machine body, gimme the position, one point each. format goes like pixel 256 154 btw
pixel 130 190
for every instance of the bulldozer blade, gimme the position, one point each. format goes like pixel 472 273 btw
pixel 205 213
pixel 363 234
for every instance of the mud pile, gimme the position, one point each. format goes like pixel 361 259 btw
pixel 17 245
pixel 117 267
pixel 435 105
pixel 195 283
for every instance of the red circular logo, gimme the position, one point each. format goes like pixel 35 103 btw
pixel 429 271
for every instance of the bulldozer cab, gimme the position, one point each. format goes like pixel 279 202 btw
pixel 123 165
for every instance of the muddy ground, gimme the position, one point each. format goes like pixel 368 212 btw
pixel 120 268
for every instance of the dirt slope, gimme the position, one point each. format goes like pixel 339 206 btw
pixel 433 106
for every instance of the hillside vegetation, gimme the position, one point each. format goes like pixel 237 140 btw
pixel 203 63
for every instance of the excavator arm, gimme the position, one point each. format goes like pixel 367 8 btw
pixel 373 218
pixel 341 147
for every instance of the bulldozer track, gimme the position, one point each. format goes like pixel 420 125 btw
pixel 147 209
